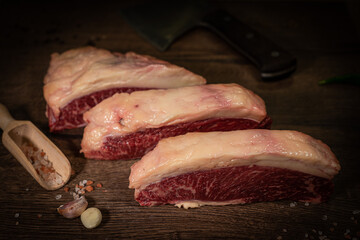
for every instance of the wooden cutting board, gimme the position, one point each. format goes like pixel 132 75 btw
pixel 325 45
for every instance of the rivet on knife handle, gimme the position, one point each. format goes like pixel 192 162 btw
pixel 272 60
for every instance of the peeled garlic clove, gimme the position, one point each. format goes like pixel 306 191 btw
pixel 74 208
pixel 91 218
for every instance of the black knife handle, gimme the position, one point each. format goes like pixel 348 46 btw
pixel 270 59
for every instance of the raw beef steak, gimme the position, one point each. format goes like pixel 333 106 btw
pixel 127 126
pixel 85 76
pixel 141 142
pixel 234 185
pixel 71 115
pixel 219 168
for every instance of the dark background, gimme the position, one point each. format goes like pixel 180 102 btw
pixel 323 35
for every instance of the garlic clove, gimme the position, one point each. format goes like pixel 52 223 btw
pixel 74 208
pixel 91 217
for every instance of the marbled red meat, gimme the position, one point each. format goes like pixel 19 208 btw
pixel 135 145
pixel 243 184
pixel 234 167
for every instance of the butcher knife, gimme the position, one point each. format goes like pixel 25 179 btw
pixel 162 22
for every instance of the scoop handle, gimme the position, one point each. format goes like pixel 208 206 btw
pixel 5 117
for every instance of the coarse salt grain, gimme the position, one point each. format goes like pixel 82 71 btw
pixel 324 217
pixel 75 195
pixel 57 197
pixel 293 204
pixel 306 203
pixel 17 215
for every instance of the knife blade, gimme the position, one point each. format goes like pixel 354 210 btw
pixel 162 22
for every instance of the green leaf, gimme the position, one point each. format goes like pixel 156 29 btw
pixel 348 79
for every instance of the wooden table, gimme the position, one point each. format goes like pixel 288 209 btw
pixel 321 35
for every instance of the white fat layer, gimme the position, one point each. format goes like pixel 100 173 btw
pixel 187 205
pixel 79 72
pixel 127 113
pixel 197 203
pixel 205 151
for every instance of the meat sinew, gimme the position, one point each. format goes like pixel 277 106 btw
pixel 127 126
pixel 237 167
pixel 79 79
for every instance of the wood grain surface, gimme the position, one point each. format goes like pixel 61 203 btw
pixel 322 35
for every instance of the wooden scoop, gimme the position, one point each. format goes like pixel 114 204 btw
pixel 17 134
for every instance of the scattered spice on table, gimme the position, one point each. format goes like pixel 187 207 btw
pixel 349 232
pixel 17 216
pixel 83 187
